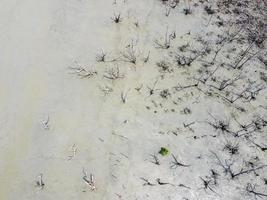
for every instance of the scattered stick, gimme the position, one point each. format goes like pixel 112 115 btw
pixel 207 185
pixel 82 72
pixel 165 44
pixel 130 54
pixel 228 168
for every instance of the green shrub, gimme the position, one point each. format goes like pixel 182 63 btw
pixel 164 151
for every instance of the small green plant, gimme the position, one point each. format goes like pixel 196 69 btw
pixel 164 151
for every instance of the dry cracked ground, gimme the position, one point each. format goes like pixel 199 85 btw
pixel 133 100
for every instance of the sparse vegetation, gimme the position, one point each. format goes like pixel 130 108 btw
pixel 186 74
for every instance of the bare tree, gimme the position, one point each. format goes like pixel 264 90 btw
pixel 227 82
pixel 130 54
pixel 89 180
pixel 117 18
pixel 113 74
pixel 164 43
pixel 146 59
pixel 164 66
pixel 39 182
pixel 232 148
pixel 187 10
pixel 152 90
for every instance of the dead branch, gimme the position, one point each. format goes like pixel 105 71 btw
pixel 228 168
pixel 176 163
pixel 251 189
pixel 146 182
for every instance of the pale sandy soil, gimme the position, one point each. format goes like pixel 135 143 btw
pixel 56 122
